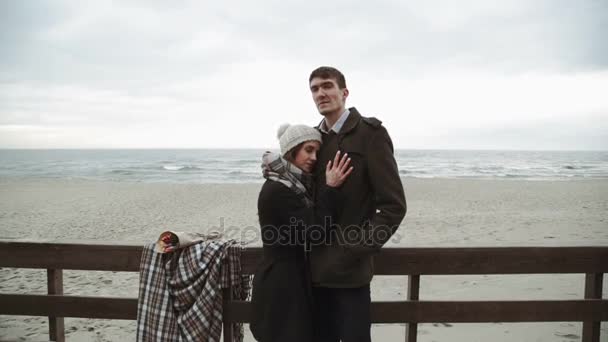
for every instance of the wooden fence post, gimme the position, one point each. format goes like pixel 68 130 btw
pixel 55 287
pixel 413 293
pixel 227 296
pixel 593 290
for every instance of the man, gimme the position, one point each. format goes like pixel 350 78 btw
pixel 372 209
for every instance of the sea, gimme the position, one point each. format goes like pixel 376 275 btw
pixel 243 165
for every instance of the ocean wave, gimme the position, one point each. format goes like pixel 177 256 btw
pixel 236 173
pixel 181 168
pixel 579 167
pixel 412 172
pixel 221 166
pixel 122 172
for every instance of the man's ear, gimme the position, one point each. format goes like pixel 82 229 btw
pixel 345 93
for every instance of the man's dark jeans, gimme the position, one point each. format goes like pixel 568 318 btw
pixel 342 314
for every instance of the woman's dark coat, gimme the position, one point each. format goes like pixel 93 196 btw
pixel 281 295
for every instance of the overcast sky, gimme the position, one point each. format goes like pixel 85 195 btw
pixel 479 74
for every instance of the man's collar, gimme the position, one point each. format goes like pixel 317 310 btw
pixel 350 122
pixel 338 125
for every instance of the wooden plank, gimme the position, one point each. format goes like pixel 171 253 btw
pixel 413 294
pixel 593 290
pixel 390 261
pixel 69 256
pixel 68 306
pixel 55 287
pixel 466 311
pixel 500 260
pixel 478 260
pixel 382 312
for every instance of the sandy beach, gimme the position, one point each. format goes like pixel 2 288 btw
pixel 441 212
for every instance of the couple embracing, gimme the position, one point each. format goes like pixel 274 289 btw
pixel 331 200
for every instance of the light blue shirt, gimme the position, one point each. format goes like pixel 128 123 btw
pixel 338 125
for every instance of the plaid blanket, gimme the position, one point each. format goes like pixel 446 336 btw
pixel 180 293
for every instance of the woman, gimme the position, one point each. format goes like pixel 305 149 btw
pixel 281 298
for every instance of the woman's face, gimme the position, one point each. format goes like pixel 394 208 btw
pixel 306 158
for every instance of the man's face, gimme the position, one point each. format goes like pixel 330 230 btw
pixel 328 97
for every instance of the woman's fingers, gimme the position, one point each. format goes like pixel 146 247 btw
pixel 339 161
pixel 350 169
pixel 337 158
pixel 344 164
pixel 342 160
pixel 338 169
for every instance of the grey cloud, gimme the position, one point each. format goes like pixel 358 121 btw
pixel 109 49
pixel 136 43
pixel 110 66
pixel 557 35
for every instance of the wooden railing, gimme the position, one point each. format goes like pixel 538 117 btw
pixel 413 262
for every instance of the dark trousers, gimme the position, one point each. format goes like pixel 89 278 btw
pixel 342 314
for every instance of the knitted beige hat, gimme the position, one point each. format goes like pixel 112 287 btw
pixel 291 136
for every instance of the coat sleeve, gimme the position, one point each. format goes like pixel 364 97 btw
pixel 389 197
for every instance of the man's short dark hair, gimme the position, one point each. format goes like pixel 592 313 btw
pixel 327 72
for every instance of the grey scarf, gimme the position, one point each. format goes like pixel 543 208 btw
pixel 276 168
